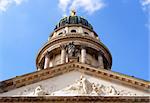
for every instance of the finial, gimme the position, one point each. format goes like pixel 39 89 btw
pixel 73 12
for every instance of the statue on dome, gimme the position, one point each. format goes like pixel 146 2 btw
pixel 72 50
pixel 73 12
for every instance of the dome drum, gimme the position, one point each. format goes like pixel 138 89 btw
pixel 91 55
pixel 73 28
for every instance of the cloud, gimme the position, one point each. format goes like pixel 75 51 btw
pixel 89 6
pixel 146 7
pixel 4 4
pixel 18 2
pixel 63 4
pixel 145 2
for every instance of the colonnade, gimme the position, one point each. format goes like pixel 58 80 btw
pixel 63 57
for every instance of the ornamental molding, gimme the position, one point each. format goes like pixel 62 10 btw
pixel 74 99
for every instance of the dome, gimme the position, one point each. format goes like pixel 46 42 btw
pixel 73 20
pixel 74 40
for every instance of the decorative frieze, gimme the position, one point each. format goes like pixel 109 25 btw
pixel 85 87
pixel 75 99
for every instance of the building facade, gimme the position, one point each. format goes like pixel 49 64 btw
pixel 74 66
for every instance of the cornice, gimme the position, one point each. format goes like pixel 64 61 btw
pixel 74 25
pixel 47 73
pixel 75 99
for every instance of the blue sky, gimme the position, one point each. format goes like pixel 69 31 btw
pixel 122 25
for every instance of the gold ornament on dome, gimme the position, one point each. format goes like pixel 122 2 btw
pixel 73 12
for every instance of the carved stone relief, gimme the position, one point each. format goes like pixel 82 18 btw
pixel 72 50
pixel 85 87
pixel 81 87
pixel 38 90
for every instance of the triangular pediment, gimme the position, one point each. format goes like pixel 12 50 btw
pixel 78 79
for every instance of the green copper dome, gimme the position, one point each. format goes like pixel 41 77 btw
pixel 73 20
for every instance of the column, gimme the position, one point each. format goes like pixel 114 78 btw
pixel 83 54
pixel 51 63
pixel 63 54
pixel 67 58
pixel 47 60
pixel 100 60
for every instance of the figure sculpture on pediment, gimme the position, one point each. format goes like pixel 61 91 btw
pixel 76 87
pixel 81 86
pixel 108 90
pixel 87 86
pixel 95 90
pixel 112 91
pixel 39 91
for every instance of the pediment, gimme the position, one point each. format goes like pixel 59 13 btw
pixel 75 83
pixel 77 79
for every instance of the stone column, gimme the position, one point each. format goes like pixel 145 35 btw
pixel 100 60
pixel 67 58
pixel 63 54
pixel 51 63
pixel 47 60
pixel 83 54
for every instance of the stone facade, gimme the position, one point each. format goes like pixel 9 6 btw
pixel 74 66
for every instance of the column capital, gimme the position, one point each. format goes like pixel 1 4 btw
pixel 83 46
pixel 63 46
pixel 100 52
pixel 46 54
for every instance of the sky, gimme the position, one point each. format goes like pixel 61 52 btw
pixel 122 25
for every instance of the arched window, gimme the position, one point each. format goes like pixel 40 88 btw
pixel 86 33
pixel 64 31
pixel 73 31
pixel 60 33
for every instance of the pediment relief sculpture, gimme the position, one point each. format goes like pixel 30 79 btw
pixel 81 87
pixel 39 91
pixel 84 87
